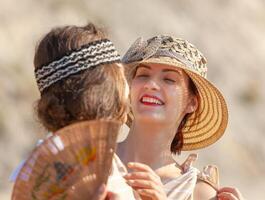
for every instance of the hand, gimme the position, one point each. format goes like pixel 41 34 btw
pixel 103 194
pixel 229 193
pixel 145 181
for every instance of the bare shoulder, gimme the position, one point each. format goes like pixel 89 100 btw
pixel 168 172
pixel 204 191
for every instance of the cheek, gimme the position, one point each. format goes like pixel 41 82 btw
pixel 178 99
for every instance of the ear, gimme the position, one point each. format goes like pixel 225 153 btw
pixel 193 104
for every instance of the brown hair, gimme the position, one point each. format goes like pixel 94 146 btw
pixel 177 142
pixel 94 93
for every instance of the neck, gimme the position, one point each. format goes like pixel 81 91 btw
pixel 148 144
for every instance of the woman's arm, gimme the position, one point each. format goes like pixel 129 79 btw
pixel 204 191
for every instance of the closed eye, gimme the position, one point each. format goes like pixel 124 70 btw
pixel 168 80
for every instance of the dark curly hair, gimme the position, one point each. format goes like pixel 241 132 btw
pixel 94 93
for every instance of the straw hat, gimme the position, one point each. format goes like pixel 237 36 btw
pixel 208 123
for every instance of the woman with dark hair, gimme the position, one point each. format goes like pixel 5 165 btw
pixel 174 108
pixel 80 77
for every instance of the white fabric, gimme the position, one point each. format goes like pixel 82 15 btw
pixel 182 187
pixel 116 182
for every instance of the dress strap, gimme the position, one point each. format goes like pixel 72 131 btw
pixel 188 162
pixel 210 175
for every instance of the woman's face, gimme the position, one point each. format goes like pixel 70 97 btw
pixel 160 94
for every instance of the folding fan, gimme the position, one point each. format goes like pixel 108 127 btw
pixel 71 164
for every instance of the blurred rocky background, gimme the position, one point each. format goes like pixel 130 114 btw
pixel 231 33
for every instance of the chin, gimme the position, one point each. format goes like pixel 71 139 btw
pixel 150 118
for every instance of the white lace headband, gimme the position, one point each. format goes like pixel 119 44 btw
pixel 91 55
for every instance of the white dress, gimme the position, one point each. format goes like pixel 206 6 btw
pixel 177 188
pixel 116 182
pixel 182 187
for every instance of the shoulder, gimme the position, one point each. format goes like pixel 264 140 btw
pixel 207 183
pixel 169 172
pixel 204 191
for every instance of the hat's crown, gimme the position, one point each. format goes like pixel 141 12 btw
pixel 167 46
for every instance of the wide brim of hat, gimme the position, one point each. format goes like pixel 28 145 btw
pixel 208 123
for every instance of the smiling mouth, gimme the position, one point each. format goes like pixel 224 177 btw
pixel 149 100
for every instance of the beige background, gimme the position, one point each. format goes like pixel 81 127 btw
pixel 230 33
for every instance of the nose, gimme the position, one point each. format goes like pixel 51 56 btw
pixel 151 85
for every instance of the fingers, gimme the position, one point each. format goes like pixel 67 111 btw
pixel 230 190
pixel 145 181
pixel 153 194
pixel 142 176
pixel 142 184
pixel 140 167
pixel 226 196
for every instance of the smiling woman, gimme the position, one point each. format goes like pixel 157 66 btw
pixel 161 94
pixel 174 108
pixel 159 88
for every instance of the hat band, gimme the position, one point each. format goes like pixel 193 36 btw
pixel 91 55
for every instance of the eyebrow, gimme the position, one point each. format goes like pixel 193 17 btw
pixel 143 66
pixel 164 70
pixel 171 70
